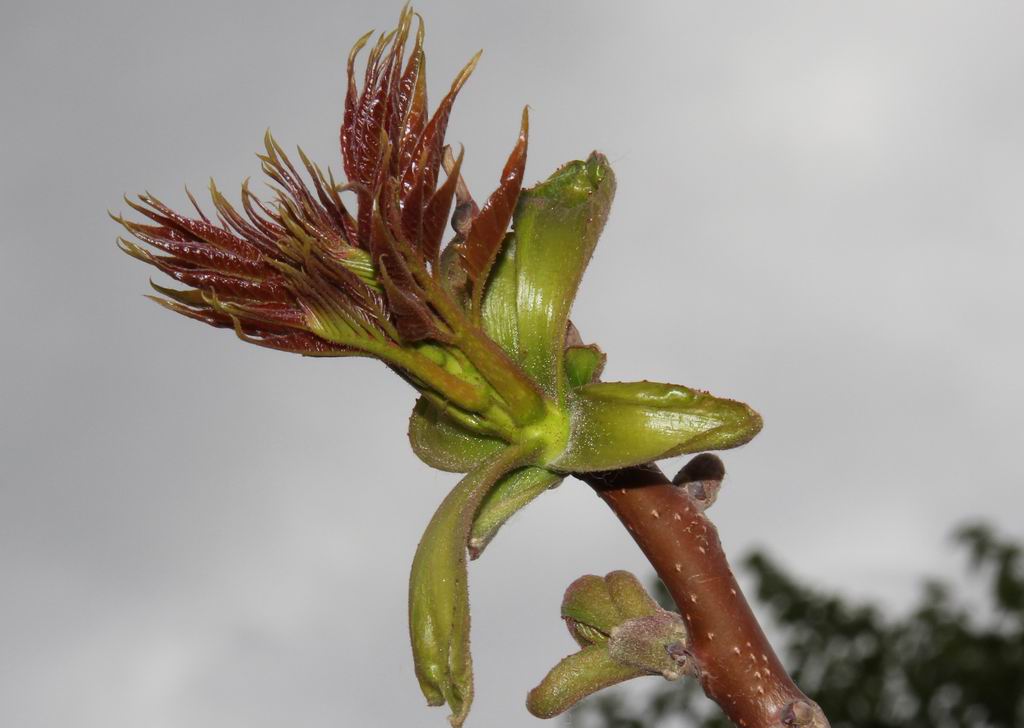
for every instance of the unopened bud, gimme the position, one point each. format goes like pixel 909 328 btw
pixel 654 644
pixel 803 714
pixel 589 610
pixel 623 634
pixel 702 478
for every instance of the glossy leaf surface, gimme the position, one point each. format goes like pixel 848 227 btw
pixel 556 227
pixel 439 593
pixel 618 424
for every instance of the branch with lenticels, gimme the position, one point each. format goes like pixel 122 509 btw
pixel 730 654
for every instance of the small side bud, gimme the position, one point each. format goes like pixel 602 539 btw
pixel 583 364
pixel 623 634
pixel 680 654
pixel 803 714
pixel 463 217
pixel 589 611
pixel 702 478
pixel 656 645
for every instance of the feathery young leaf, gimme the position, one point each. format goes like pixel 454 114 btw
pixel 488 228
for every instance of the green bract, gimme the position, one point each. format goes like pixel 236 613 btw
pixel 616 424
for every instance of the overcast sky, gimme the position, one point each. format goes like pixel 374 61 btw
pixel 819 212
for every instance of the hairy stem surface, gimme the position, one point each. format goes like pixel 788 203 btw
pixel 737 667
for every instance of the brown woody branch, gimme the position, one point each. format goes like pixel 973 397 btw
pixel 737 667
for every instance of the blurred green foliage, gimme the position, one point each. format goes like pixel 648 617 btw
pixel 952 661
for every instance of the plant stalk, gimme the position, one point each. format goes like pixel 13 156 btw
pixel 736 665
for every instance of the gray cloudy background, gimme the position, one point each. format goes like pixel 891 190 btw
pixel 819 212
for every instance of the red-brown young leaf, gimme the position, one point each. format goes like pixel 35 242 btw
pixel 412 318
pixel 205 315
pixel 412 205
pixel 231 219
pixel 488 228
pixel 297 342
pixel 195 205
pixel 429 148
pixel 263 219
pixel 297 262
pixel 364 134
pixel 347 289
pixel 330 199
pixel 275 316
pixel 198 230
pixel 270 336
pixel 195 253
pixel 279 168
pixel 269 289
pixel 385 254
pixel 396 101
pixel 195 306
pixel 372 122
pixel 436 215
pixel 351 97
pixel 419 175
pixel 413 94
